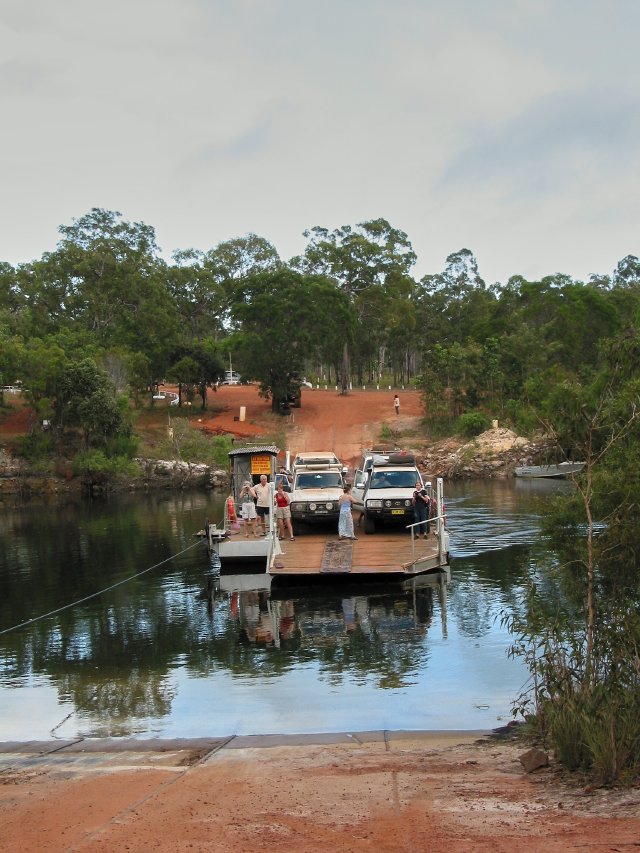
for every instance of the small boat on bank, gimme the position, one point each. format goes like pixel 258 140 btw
pixel 559 471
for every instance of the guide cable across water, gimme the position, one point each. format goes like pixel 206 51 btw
pixel 99 592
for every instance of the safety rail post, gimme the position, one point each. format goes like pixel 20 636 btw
pixel 413 538
pixel 439 517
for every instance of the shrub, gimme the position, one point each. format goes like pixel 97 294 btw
pixel 522 416
pixel 437 426
pixel 567 722
pixel 96 465
pixel 192 445
pixel 472 423
pixel 122 445
pixel 387 434
pixel 35 446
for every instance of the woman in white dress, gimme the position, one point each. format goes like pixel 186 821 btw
pixel 345 519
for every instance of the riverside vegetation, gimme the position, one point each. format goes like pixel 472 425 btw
pixel 92 329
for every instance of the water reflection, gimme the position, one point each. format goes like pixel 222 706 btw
pixel 181 651
pixel 266 618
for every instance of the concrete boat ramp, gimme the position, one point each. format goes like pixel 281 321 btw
pixel 83 756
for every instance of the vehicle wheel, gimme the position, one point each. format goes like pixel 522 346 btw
pixel 369 525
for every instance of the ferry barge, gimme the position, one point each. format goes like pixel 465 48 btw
pixel 395 553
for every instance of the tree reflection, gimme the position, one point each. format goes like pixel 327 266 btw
pixel 114 656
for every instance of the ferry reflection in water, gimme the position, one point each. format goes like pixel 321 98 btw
pixel 162 655
pixel 266 617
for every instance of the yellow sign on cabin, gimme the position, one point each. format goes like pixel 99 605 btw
pixel 261 464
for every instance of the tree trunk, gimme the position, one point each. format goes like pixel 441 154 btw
pixel 345 369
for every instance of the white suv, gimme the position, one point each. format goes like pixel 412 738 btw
pixel 315 493
pixel 383 488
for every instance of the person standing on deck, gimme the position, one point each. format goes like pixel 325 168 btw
pixel 283 512
pixel 421 504
pixel 345 519
pixel 263 504
pixel 247 496
pixel 396 404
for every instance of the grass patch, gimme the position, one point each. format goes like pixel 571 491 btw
pixel 185 443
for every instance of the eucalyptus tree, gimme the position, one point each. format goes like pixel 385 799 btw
pixel 232 261
pixel 364 261
pixel 42 363
pixel 9 293
pixel 552 322
pixel 113 283
pixel 196 364
pixel 198 295
pixel 11 358
pixel 451 381
pixel 584 658
pixel 86 399
pixel 624 290
pixel 456 304
pixel 203 284
pixel 283 318
pixel 627 273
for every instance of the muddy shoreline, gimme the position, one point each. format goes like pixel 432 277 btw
pixel 383 791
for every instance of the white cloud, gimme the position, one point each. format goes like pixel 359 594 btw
pixel 505 127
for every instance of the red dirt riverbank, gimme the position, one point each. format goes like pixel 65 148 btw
pixel 383 792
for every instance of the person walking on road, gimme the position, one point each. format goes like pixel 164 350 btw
pixel 396 404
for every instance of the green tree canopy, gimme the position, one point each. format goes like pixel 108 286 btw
pixel 284 318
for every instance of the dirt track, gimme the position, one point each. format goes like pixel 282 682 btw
pixel 327 420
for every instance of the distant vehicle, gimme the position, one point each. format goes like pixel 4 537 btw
pixel 306 383
pixel 171 396
pixel 231 377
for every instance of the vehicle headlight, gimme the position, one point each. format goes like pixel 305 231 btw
pixel 297 507
pixel 407 503
pixel 312 507
pixel 374 504
pixel 329 506
pixel 387 503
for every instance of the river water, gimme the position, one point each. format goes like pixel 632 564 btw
pixel 168 650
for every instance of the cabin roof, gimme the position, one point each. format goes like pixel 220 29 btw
pixel 256 448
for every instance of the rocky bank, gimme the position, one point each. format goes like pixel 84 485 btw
pixel 493 454
pixel 17 478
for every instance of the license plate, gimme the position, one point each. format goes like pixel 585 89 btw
pixel 397 512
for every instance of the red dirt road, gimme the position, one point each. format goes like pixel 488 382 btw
pixel 417 793
pixel 327 420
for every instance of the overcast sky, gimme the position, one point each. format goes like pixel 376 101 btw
pixel 507 127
